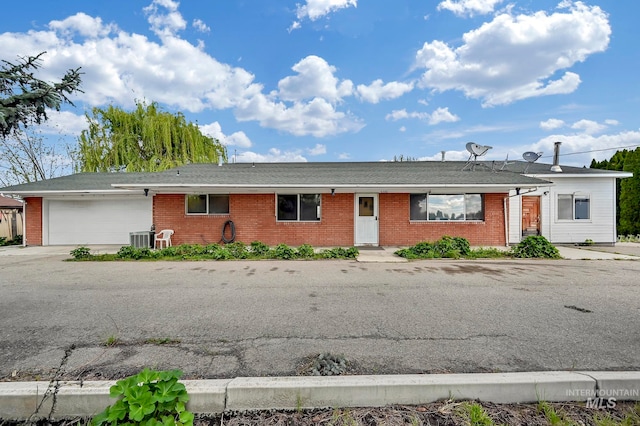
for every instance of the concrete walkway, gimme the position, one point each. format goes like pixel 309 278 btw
pixel 58 400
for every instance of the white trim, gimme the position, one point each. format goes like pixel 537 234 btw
pixel 298 220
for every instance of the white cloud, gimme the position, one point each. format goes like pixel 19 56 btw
pixel 315 9
pixel 63 123
pixel 551 124
pixel 440 115
pixel 294 26
pixel 611 122
pixel 168 23
pixel 377 90
pixel 402 129
pixel 120 67
pixel 214 130
pixel 605 144
pixel 517 57
pixel 315 79
pixel 469 7
pixel 274 156
pixel 199 25
pixel 82 24
pixel 344 156
pixel 319 149
pixel 448 156
pixel 316 117
pixel 588 126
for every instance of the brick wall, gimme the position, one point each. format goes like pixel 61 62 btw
pixel 397 230
pixel 33 218
pixel 254 217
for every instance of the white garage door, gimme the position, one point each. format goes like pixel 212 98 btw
pixel 98 221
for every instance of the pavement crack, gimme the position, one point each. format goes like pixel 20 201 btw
pixel 54 387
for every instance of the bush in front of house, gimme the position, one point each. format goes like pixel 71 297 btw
pixel 535 246
pixel 445 247
pixel 15 241
pixel 232 251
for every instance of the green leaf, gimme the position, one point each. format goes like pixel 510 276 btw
pixel 100 418
pixel 148 376
pixel 186 418
pixel 138 411
pixel 121 386
pixel 117 412
pixel 170 374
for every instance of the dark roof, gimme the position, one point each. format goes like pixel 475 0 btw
pixel 328 174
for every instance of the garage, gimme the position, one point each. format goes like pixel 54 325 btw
pixel 95 221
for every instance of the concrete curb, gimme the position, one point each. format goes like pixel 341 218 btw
pixel 18 400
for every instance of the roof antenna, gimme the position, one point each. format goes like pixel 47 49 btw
pixel 178 173
pixel 506 162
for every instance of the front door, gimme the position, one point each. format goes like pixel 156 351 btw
pixel 530 216
pixel 366 220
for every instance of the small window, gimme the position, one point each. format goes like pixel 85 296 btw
pixel 574 207
pixel 208 204
pixel 298 207
pixel 446 207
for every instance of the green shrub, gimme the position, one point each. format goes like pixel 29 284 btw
pixel 340 253
pixel 283 252
pixel 237 250
pixel 448 247
pixel 305 251
pixel 259 248
pixel 189 250
pixel 148 398
pixel 487 253
pixel 535 246
pixel 128 252
pixel 81 253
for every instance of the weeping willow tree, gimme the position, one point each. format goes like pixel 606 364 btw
pixel 143 140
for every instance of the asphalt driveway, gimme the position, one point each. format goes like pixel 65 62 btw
pixel 240 318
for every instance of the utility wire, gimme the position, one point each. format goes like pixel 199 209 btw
pixel 593 150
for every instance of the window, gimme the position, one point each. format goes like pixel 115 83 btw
pixel 574 207
pixel 298 207
pixel 446 207
pixel 208 204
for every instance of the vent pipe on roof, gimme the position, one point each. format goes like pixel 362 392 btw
pixel 443 154
pixel 219 161
pixel 556 157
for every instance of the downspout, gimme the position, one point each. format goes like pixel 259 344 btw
pixel 506 221
pixel 24 223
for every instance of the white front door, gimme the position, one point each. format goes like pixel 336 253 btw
pixel 366 219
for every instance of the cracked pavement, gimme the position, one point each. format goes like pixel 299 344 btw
pixel 265 318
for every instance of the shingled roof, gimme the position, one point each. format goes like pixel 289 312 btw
pixel 340 175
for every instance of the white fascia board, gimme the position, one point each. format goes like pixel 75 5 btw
pixel 552 175
pixel 157 187
pixel 74 192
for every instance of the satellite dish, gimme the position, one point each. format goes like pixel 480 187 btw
pixel 531 157
pixel 477 150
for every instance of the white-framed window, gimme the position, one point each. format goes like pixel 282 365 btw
pixel 452 207
pixel 298 207
pixel 573 207
pixel 207 204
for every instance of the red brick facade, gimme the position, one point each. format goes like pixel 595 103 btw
pixel 254 216
pixel 397 230
pixel 33 218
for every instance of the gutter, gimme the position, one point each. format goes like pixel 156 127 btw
pixel 24 223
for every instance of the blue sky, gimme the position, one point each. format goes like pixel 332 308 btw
pixel 352 80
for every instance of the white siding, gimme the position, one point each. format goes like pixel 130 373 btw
pixel 600 227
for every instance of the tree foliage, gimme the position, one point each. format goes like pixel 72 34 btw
pixel 24 99
pixel 628 190
pixel 145 139
pixel 25 157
